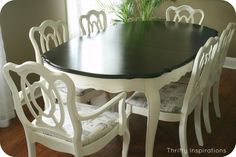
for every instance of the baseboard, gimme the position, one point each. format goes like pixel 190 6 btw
pixel 230 63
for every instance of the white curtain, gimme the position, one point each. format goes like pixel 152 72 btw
pixel 6 102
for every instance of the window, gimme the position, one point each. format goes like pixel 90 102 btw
pixel 75 8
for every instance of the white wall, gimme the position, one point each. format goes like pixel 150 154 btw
pixel 18 17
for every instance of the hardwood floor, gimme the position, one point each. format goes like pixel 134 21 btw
pixel 219 143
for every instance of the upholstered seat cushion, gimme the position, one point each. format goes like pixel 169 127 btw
pixel 93 129
pixel 78 91
pixel 88 96
pixel 185 79
pixel 172 96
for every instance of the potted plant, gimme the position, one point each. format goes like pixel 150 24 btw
pixel 131 10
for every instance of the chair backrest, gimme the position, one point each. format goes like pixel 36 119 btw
pixel 224 42
pixel 184 13
pixel 200 74
pixel 51 120
pixel 93 22
pixel 46 36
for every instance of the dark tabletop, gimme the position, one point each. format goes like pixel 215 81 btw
pixel 132 50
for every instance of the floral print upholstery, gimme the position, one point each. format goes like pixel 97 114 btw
pixel 185 79
pixel 78 91
pixel 93 129
pixel 171 95
pixel 88 96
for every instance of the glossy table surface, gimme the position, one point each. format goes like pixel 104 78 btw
pixel 133 50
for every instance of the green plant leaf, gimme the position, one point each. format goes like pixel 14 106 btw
pixel 132 10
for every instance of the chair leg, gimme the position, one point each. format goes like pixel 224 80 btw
pixel 31 148
pixel 78 155
pixel 126 142
pixel 128 110
pixel 206 110
pixel 77 147
pixel 216 99
pixel 128 113
pixel 183 137
pixel 197 122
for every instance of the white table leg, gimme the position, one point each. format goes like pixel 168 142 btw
pixel 153 99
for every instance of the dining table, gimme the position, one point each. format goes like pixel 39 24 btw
pixel 136 56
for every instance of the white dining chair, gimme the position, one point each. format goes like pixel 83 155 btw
pixel 50 34
pixel 187 14
pixel 214 80
pixel 184 13
pixel 179 100
pixel 69 127
pixel 92 22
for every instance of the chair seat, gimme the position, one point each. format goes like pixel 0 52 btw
pixel 88 96
pixel 93 129
pixel 171 95
pixel 185 79
pixel 78 91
